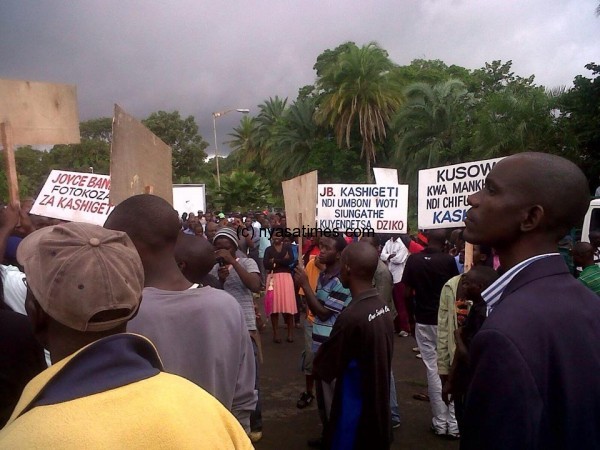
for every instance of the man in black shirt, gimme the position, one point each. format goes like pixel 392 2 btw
pixel 358 356
pixel 426 273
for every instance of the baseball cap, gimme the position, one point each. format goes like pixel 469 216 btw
pixel 78 271
pixel 221 216
pixel 229 233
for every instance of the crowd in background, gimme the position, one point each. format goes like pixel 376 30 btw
pixel 210 282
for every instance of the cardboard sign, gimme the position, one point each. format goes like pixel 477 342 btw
pixel 443 192
pixel 40 113
pixel 140 163
pixel 300 199
pixel 74 196
pixel 362 208
pixel 385 177
pixel 189 198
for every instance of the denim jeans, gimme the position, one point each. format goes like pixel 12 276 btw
pixel 394 401
pixel 256 415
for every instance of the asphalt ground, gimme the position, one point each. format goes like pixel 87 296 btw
pixel 285 427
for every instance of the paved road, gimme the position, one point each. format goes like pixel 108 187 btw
pixel 288 428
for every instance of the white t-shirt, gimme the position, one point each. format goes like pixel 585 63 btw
pixel 15 289
pixel 15 292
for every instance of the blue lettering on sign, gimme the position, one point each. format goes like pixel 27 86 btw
pixel 458 215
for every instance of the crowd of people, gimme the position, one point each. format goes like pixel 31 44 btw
pixel 148 330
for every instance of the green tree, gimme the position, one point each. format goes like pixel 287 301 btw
pixel 331 58
pixel 31 173
pixel 241 190
pixel 496 77
pixel 335 165
pixel 429 126
pixel 509 121
pixel 360 96
pixel 579 122
pixel 430 72
pixel 97 129
pixel 84 157
pixel 184 139
pixel 293 139
pixel 245 144
pixel 270 114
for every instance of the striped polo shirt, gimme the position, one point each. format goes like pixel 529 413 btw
pixel 334 297
pixel 591 278
pixel 493 294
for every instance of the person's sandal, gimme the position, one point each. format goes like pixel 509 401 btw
pixel 421 397
pixel 305 400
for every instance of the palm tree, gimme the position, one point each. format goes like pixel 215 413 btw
pixel 427 125
pixel 293 139
pixel 245 142
pixel 271 112
pixel 510 121
pixel 359 95
pixel 241 190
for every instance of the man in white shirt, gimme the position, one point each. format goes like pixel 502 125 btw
pixel 395 254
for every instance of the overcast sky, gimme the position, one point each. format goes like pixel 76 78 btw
pixel 204 56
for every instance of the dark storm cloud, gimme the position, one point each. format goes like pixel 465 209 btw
pixel 201 57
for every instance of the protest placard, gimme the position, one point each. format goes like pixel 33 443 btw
pixel 362 208
pixel 74 196
pixel 35 113
pixel 443 192
pixel 189 198
pixel 40 113
pixel 385 177
pixel 300 199
pixel 140 163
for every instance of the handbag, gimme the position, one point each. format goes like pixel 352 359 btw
pixel 269 296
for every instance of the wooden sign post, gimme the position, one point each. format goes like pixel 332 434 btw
pixel 34 113
pixel 300 240
pixel 9 161
pixel 468 256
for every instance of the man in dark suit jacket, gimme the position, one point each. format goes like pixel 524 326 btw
pixel 535 362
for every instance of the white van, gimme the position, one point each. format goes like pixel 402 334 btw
pixel 591 220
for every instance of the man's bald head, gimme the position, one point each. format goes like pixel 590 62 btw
pixel 361 260
pixel 583 254
pixel 437 237
pixel 583 249
pixel 195 256
pixel 149 221
pixel 554 183
pixel 371 240
pixel 211 230
pixel 529 202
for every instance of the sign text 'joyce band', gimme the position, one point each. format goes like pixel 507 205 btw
pixel 443 192
pixel 362 207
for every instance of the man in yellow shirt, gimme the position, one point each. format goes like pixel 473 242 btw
pixel 106 388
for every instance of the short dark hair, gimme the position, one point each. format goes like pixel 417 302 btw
pixel 146 219
pixel 484 275
pixel 340 243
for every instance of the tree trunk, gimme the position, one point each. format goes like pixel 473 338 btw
pixel 369 174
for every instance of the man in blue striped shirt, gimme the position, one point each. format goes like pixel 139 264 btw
pixel 326 304
pixel 535 361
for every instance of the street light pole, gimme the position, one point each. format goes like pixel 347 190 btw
pixel 219 114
